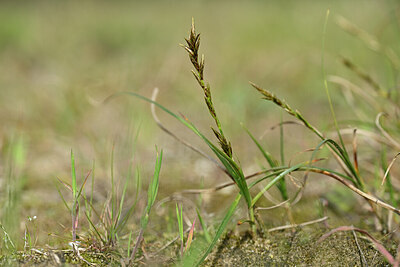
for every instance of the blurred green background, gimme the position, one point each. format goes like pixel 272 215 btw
pixel 59 60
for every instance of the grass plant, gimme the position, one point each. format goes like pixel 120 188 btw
pixel 351 172
pixel 76 194
pixel 13 173
pixel 109 232
pixel 30 235
pixel 276 173
pixel 225 154
pixel 7 242
pixel 179 217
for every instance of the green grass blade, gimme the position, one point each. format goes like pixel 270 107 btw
pixel 7 239
pixel 344 157
pixel 97 214
pixel 388 182
pixel 119 224
pixel 62 198
pixel 204 226
pixel 305 167
pixel 94 228
pixel 152 190
pixel 83 185
pixel 152 194
pixel 92 188
pixel 121 203
pixel 270 159
pixel 112 184
pixel 270 175
pixel 282 183
pixel 129 244
pixel 282 140
pixel 73 174
pixel 179 216
pixel 125 218
pixel 274 181
pixel 221 228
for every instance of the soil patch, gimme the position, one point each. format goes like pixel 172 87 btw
pixel 299 248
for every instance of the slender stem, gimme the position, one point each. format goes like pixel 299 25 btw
pixel 252 219
pixel 138 242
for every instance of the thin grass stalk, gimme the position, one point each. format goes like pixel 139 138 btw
pixel 111 229
pixel 7 239
pixel 344 157
pixel 273 182
pixel 268 157
pixel 74 193
pixel 121 203
pixel 125 218
pixel 103 240
pixel 62 197
pixel 387 178
pixel 273 163
pixel 384 132
pixel 129 245
pixel 92 188
pixel 151 197
pixel 281 103
pixel 203 226
pixel 326 82
pixel 221 228
pixel 282 182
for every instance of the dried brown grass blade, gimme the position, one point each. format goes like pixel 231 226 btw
pixel 368 96
pixel 389 167
pixel 370 136
pixel 385 133
pixel 219 187
pixel 358 191
pixel 274 206
pixel 363 260
pixel 275 126
pixel 290 226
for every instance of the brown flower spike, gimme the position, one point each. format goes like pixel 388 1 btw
pixel 192 47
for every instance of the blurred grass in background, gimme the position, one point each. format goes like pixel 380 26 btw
pixel 59 60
